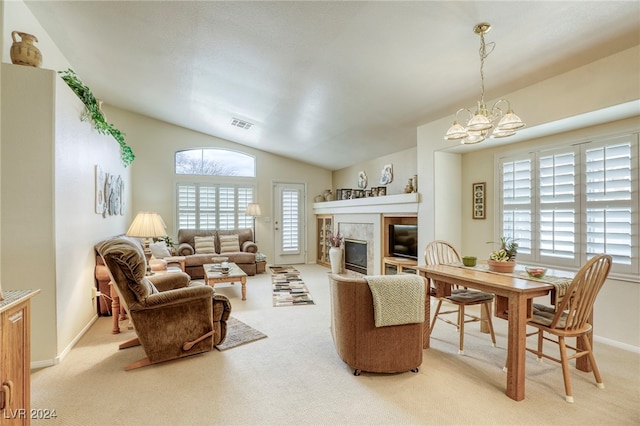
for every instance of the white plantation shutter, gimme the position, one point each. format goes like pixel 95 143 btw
pixel 578 200
pixel 610 199
pixel 245 197
pixel 517 203
pixel 557 211
pixel 187 206
pixel 211 206
pixel 290 221
pixel 227 209
pixel 206 207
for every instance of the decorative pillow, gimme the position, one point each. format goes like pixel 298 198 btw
pixel 229 243
pixel 204 245
pixel 159 250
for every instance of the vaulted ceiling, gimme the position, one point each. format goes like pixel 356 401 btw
pixel 330 83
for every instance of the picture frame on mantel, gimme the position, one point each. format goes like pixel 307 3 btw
pixel 479 197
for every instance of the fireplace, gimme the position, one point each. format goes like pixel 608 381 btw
pixel 355 255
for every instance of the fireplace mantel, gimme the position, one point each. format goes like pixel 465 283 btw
pixel 386 204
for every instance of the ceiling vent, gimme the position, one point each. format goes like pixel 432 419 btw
pixel 241 123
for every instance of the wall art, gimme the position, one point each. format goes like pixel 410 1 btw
pixel 362 180
pixel 387 175
pixel 478 192
pixel 110 198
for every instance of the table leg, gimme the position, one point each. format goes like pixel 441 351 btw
pixel 243 281
pixel 115 309
pixel 516 349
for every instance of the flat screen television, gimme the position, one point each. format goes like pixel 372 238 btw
pixel 403 241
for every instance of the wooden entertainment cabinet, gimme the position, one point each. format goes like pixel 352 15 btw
pixel 389 262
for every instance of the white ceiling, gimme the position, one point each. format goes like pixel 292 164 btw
pixel 330 83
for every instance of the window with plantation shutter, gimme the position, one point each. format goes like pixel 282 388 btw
pixel 567 204
pixel 558 208
pixel 290 221
pixel 213 206
pixel 611 205
pixel 517 203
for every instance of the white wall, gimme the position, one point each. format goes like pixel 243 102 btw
pixel 154 144
pixel 48 220
pixel 48 191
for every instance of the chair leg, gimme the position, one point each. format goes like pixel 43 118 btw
pixel 565 369
pixel 487 310
pixel 435 316
pixel 540 342
pixel 461 328
pixel 592 360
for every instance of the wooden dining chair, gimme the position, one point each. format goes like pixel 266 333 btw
pixel 441 252
pixel 571 319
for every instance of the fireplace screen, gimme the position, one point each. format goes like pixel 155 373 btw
pixel 355 255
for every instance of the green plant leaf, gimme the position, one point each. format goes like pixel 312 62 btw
pixel 93 111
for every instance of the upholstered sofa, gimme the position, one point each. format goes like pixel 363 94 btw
pixel 359 342
pixel 235 244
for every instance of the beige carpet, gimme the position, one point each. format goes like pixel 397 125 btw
pixel 239 333
pixel 295 377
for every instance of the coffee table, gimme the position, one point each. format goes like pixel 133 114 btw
pixel 213 275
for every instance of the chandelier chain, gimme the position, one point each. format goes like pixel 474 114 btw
pixel 483 55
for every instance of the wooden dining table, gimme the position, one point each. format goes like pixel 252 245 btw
pixel 514 302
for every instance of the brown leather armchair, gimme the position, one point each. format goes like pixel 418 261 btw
pixel 362 345
pixel 172 318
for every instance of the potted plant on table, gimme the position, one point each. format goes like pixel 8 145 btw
pixel 504 259
pixel 335 252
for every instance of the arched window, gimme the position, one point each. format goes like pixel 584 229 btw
pixel 214 162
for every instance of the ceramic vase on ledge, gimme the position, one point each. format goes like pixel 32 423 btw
pixel 24 52
pixel 335 257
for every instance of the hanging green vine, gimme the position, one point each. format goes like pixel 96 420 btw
pixel 94 113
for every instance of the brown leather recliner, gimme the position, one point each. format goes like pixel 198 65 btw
pixel 172 319
pixel 362 345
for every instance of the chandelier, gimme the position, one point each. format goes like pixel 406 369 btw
pixel 485 122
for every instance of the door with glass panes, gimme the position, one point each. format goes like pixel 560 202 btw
pixel 288 223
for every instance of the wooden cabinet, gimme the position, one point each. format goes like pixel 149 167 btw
pixel 15 354
pixel 324 225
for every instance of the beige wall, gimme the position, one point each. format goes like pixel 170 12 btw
pixel 154 184
pixel 602 84
pixel 404 167
pixel 614 314
pixel 48 220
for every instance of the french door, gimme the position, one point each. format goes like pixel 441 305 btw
pixel 289 225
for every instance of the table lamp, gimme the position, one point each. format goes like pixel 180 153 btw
pixel 253 210
pixel 147 225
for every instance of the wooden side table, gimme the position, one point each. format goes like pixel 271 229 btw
pixel 261 266
pixel 399 263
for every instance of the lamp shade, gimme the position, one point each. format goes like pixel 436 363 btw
pixel 253 209
pixel 147 225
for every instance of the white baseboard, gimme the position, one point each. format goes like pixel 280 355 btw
pixel 51 362
pixel 616 344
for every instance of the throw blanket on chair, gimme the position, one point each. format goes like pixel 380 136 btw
pixel 397 299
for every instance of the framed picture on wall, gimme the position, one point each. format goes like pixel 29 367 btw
pixel 478 192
